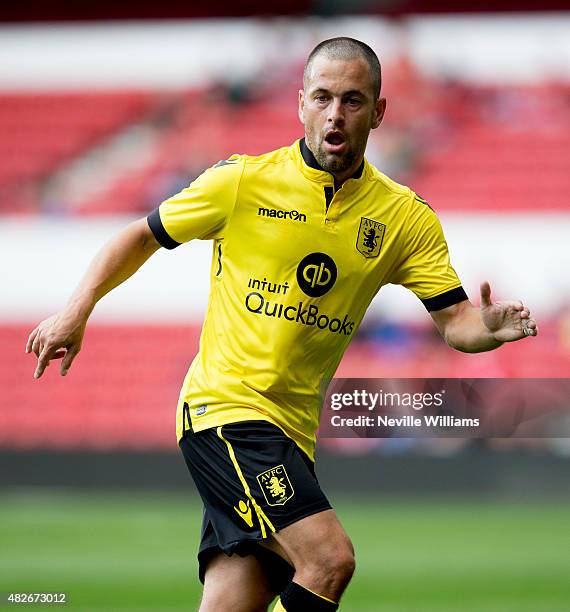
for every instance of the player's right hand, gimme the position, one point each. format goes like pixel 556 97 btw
pixel 58 337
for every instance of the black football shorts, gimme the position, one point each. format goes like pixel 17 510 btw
pixel 253 480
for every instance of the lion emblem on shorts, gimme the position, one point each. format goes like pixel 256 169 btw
pixel 276 486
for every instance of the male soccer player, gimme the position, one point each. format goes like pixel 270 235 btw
pixel 303 238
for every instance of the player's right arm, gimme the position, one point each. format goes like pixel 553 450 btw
pixel 198 211
pixel 61 335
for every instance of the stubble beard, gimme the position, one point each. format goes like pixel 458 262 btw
pixel 335 164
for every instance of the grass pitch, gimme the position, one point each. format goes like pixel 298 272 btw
pixel 137 552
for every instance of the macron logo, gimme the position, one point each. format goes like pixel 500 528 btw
pixel 294 215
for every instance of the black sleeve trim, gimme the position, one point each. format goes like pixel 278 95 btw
pixel 449 298
pixel 161 235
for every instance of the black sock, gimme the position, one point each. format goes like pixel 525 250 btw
pixel 296 598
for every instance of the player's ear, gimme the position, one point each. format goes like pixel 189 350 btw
pixel 302 106
pixel 379 110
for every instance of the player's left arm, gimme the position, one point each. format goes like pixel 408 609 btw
pixel 473 330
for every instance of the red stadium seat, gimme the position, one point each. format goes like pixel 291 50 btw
pixel 122 391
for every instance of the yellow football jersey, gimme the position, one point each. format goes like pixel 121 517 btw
pixel 295 266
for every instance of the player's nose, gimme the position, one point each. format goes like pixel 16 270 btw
pixel 336 112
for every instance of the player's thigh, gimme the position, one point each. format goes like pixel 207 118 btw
pixel 318 540
pixel 270 543
pixel 235 584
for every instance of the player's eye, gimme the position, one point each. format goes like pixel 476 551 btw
pixel 321 99
pixel 354 101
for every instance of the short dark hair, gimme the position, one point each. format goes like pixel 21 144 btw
pixel 344 48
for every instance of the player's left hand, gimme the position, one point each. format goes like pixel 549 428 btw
pixel 506 320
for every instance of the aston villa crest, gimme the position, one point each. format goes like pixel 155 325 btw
pixel 370 237
pixel 276 486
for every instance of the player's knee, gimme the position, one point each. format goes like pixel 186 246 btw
pixel 340 566
pixel 340 559
pixel 333 567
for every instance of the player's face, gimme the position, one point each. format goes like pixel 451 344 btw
pixel 338 109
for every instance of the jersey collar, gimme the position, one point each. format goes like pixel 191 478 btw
pixel 311 161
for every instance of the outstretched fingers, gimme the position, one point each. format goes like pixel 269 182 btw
pixel 42 343
pixel 59 337
pixel 52 351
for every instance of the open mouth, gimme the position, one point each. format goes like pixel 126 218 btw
pixel 335 141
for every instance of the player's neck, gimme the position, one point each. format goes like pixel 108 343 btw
pixel 352 172
pixel 355 171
